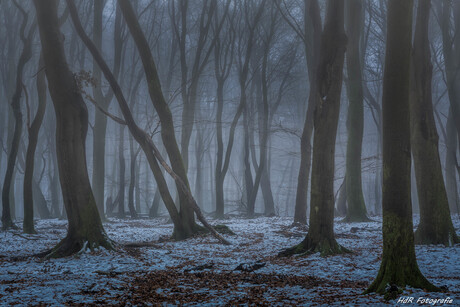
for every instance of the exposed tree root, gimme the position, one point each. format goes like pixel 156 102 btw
pixel 326 247
pixel 393 275
pixel 71 245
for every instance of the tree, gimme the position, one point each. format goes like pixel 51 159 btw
pixel 399 265
pixel 320 236
pixel 311 37
pixel 33 129
pixel 85 229
pixel 451 52
pixel 435 222
pixel 25 56
pixel 356 210
pixel 150 150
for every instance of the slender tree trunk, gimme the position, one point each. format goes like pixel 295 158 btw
pixel 320 236
pixel 435 222
pixel 132 181
pixel 342 199
pixel 8 182
pixel 451 160
pixel 151 151
pixel 39 201
pixel 85 229
pixel 356 209
pixel 314 21
pixel 189 227
pixel 121 174
pixel 34 129
pixel 399 265
pixel 100 122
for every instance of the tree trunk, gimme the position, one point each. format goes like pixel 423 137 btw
pixel 8 183
pixel 314 22
pixel 34 129
pixel 85 229
pixel 151 151
pixel 121 174
pixel 451 160
pixel 399 265
pixel 132 180
pixel 40 202
pixel 356 210
pixel 320 236
pixel 342 199
pixel 435 222
pixel 189 227
pixel 100 121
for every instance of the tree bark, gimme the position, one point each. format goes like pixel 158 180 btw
pixel 320 236
pixel 356 209
pixel 8 183
pixel 151 151
pixel 121 174
pixel 435 222
pixel 33 129
pixel 85 229
pixel 314 43
pixel 451 161
pixel 189 227
pixel 399 265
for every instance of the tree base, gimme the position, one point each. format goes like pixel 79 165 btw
pixel 391 278
pixel 70 246
pixel 29 230
pixel 326 247
pixel 180 234
pixel 356 219
pixel 9 225
pixel 429 237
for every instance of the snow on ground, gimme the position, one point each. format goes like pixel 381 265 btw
pixel 200 271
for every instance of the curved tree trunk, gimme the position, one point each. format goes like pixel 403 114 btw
pixel 8 183
pixel 151 151
pixel 34 129
pixel 320 236
pixel 435 222
pixel 399 265
pixel 356 209
pixel 189 227
pixel 85 229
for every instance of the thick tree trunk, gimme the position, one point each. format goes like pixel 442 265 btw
pixel 435 222
pixel 399 265
pixel 34 129
pixel 320 236
pixel 356 209
pixel 85 229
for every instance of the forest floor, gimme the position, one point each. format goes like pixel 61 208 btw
pixel 200 271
